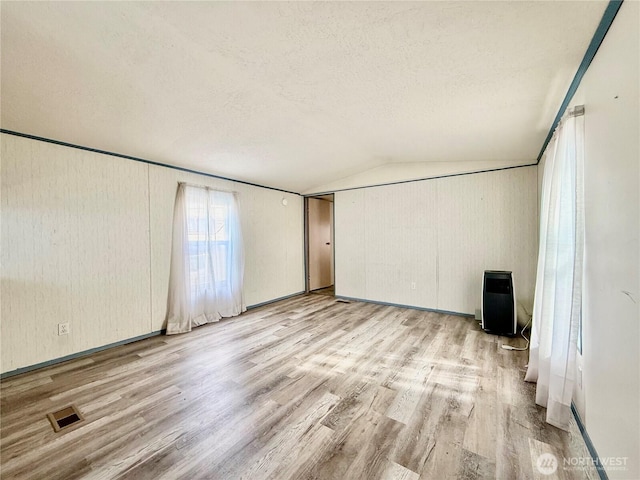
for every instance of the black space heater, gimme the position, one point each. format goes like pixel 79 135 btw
pixel 499 314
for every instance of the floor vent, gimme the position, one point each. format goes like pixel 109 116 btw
pixel 342 301
pixel 65 418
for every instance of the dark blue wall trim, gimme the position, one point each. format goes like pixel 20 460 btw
pixel 412 307
pixel 590 447
pixel 136 159
pixel 268 302
pixel 151 162
pixel 421 179
pixel 606 21
pixel 84 353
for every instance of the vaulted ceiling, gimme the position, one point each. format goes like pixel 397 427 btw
pixel 303 96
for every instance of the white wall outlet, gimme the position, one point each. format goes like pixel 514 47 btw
pixel 63 329
pixel 413 285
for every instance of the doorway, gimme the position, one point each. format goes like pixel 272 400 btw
pixel 319 243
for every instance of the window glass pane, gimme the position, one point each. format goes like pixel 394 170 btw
pixel 208 238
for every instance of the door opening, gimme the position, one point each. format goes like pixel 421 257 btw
pixel 319 245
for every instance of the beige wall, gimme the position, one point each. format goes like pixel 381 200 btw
pixel 86 240
pixel 610 393
pixel 427 243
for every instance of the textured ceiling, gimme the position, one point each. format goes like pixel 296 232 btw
pixel 294 95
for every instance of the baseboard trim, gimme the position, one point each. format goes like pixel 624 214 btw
pixel 413 307
pixel 73 356
pixel 268 302
pixel 587 440
pixel 84 353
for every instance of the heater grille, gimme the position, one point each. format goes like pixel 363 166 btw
pixel 65 418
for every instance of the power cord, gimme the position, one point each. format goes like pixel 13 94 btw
pixel 511 347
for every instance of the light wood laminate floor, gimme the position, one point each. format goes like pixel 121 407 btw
pixel 309 387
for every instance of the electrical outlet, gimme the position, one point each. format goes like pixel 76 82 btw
pixel 413 285
pixel 63 329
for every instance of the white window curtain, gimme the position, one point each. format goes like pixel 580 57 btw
pixel 558 294
pixel 207 259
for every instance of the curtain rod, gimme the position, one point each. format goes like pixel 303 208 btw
pixel 576 111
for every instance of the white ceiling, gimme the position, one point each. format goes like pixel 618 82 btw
pixel 294 95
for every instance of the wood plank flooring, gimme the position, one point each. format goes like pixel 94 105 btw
pixel 305 388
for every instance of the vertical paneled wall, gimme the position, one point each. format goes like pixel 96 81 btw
pixel 75 248
pixel 385 242
pixel 427 243
pixel 86 239
pixel 486 221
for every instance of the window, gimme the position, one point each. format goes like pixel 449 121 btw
pixel 208 240
pixel 207 255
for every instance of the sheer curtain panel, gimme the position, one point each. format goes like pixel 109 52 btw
pixel 558 295
pixel 207 259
